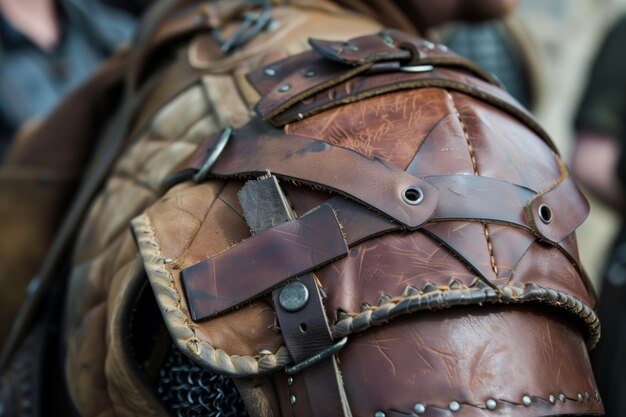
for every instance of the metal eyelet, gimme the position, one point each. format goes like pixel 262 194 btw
pixel 545 214
pixel 412 195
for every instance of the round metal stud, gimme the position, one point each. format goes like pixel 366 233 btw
pixel 419 408
pixel 379 414
pixel 352 47
pixel 545 214
pixel 289 380
pixel 587 396
pixel 491 404
pixel 552 399
pixel 412 195
pixel 442 47
pixel 265 352
pixel 168 260
pixel 454 406
pixel 428 45
pixel 526 400
pixel 292 399
pixel 294 296
pixel 580 396
pixel 269 71
pixel 598 396
pixel 284 88
pixel 309 74
pixel 562 397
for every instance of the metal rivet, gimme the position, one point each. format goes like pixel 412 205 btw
pixel 352 47
pixel 412 195
pixel 309 74
pixel 419 408
pixel 379 414
pixel 290 380
pixel 545 214
pixel 270 71
pixel 597 396
pixel 428 45
pixel 284 88
pixel 526 400
pixel 587 396
pixel 580 396
pixel 294 296
pixel 562 397
pixel 454 406
pixel 265 352
pixel 292 399
pixel 300 116
pixel 442 47
pixel 168 260
pixel 552 399
pixel 491 404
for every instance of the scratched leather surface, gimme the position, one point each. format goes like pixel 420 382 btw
pixel 468 354
pixel 101 375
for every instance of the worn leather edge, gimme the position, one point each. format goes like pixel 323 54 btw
pixel 179 324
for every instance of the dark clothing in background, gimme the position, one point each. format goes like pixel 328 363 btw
pixel 603 110
pixel 32 80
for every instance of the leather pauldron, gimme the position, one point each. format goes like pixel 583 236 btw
pixel 409 248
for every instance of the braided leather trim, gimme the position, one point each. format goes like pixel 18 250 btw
pixel 181 328
pixel 432 297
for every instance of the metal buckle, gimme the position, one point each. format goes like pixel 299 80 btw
pixel 325 354
pixel 214 154
pixel 251 25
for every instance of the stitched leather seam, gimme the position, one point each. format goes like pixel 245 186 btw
pixel 472 154
pixel 433 297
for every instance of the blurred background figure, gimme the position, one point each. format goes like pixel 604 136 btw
pixel 599 163
pixel 46 48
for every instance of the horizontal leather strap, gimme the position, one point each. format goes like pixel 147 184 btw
pixel 282 251
pixel 394 45
pixel 369 181
pixel 462 197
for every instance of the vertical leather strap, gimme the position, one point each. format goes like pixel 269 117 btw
pixel 300 312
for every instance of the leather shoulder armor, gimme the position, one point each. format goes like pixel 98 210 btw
pixel 405 244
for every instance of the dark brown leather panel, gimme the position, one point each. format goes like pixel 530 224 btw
pixel 470 355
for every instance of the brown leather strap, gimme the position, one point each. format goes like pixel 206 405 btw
pixel 307 333
pixel 279 252
pixel 301 314
pixel 557 212
pixel 346 172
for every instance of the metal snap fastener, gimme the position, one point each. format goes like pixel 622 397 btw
pixel 491 404
pixel 545 214
pixel 454 406
pixel 526 400
pixel 419 408
pixel 412 195
pixel 284 88
pixel 293 297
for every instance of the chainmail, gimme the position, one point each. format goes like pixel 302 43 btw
pixel 188 390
